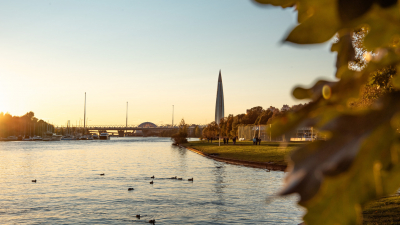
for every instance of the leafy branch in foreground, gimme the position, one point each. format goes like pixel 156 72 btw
pixel 359 161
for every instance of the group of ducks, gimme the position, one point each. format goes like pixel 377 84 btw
pixel 153 221
pixel 151 182
pixel 174 178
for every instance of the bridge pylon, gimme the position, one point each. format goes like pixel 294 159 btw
pixel 121 133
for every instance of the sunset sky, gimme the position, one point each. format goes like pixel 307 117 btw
pixel 152 54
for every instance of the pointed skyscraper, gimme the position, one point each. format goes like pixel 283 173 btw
pixel 219 106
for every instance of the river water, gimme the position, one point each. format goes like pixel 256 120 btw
pixel 70 190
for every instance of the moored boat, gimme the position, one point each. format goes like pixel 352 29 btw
pixel 104 136
pixel 27 139
pixel 37 138
pixel 68 138
pixel 11 138
pixel 49 136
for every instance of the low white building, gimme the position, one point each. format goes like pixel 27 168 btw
pixel 285 108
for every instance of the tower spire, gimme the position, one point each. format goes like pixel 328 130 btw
pixel 219 105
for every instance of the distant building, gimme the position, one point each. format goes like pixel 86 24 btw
pixel 219 105
pixel 285 108
pixel 147 125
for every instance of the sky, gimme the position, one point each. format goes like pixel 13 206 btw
pixel 152 54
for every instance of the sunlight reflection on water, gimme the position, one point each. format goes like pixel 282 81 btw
pixel 70 190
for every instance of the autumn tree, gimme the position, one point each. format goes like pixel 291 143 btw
pixel 27 124
pixel 197 132
pixel 359 161
pixel 211 131
pixel 181 136
pixel 229 123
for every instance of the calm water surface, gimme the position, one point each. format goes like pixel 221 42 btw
pixel 69 189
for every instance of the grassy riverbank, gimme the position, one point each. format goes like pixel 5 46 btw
pixel 245 150
pixel 383 211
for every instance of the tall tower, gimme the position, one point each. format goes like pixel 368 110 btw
pixel 219 106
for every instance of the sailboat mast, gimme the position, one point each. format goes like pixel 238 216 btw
pixel 84 116
pixel 126 122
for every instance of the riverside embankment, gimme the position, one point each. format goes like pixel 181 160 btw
pixel 268 155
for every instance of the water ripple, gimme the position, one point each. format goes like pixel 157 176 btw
pixel 70 190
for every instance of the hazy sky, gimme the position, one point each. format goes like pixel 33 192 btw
pixel 152 54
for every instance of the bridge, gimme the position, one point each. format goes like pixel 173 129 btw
pixel 134 130
pixel 123 130
pixel 129 128
pixel 146 126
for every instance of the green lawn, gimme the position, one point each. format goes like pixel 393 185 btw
pixel 245 150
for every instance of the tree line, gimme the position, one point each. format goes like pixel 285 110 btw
pixel 26 125
pixel 228 126
pixel 197 132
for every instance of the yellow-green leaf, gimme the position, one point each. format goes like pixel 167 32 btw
pixel 320 26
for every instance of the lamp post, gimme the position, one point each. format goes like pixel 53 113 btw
pixel 259 128
pixel 270 132
pixel 219 136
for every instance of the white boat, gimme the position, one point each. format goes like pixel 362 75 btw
pixel 83 137
pixel 48 136
pixel 27 139
pixel 68 138
pixel 37 138
pixel 104 136
pixel 11 138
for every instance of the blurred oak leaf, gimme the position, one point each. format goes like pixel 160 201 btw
pixel 359 161
pixel 334 178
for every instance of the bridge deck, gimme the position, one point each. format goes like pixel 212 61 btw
pixel 131 128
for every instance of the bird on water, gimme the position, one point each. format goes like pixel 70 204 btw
pixel 130 189
pixel 151 182
pixel 34 181
pixel 190 179
pixel 152 177
pixel 102 174
pixel 152 221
